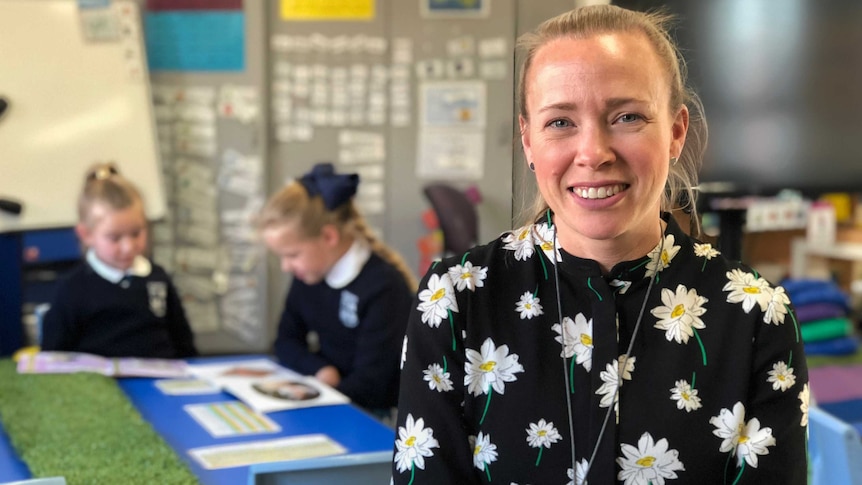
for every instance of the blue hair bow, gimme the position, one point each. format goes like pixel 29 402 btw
pixel 335 189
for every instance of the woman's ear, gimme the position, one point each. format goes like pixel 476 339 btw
pixel 678 132
pixel 524 126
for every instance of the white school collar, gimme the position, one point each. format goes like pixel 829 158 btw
pixel 141 266
pixel 346 269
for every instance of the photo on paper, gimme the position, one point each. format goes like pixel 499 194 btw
pixel 285 392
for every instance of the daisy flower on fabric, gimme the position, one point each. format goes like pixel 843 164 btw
pixel 437 379
pixel 467 276
pixel 490 368
pixel 685 397
pixel 542 435
pixel 680 313
pixel 403 352
pixel 579 475
pixel 436 300
pixel 611 379
pixel 746 439
pixel 660 261
pixel 622 285
pixel 528 306
pixel 803 404
pixel 577 339
pixel 545 237
pixel 781 376
pixel 413 445
pixel 521 242
pixel 776 305
pixel 484 452
pixel 650 463
pixel 705 250
pixel 747 289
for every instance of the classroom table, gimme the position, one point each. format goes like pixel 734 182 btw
pixel 362 435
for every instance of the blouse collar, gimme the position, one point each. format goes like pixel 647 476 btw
pixel 141 267
pixel 346 269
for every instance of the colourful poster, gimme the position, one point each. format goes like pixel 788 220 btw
pixel 455 8
pixel 195 40
pixel 327 9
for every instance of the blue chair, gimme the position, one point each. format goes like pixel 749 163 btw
pixel 835 450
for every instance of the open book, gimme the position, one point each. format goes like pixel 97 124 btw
pixel 52 362
pixel 266 386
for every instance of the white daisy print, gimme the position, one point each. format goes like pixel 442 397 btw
pixel 490 368
pixel 685 397
pixel 579 477
pixel 660 261
pixel 611 379
pixel 622 285
pixel 436 300
pixel 545 237
pixel 781 376
pixel 680 314
pixel 484 452
pixel 804 397
pixel 745 439
pixel 542 435
pixel 650 463
pixel 528 306
pixel 438 380
pixel 403 352
pixel 467 276
pixel 413 445
pixel 747 289
pixel 521 242
pixel 577 339
pixel 705 250
pixel 776 305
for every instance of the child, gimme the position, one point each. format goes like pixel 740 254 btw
pixel 116 303
pixel 349 288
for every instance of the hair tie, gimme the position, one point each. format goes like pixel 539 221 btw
pixel 335 189
pixel 103 172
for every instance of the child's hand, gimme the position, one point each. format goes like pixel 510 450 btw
pixel 328 375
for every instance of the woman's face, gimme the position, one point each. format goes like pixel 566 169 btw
pixel 600 135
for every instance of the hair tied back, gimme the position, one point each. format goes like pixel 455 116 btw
pixel 103 171
pixel 335 189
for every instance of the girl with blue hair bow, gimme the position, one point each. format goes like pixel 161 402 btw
pixel 349 289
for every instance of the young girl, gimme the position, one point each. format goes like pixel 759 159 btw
pixel 349 288
pixel 116 303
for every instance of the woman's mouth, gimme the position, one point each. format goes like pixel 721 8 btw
pixel 598 192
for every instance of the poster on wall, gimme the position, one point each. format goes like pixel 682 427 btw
pixel 455 8
pixel 329 10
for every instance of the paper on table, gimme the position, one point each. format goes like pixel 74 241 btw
pixel 244 454
pixel 280 393
pixel 230 418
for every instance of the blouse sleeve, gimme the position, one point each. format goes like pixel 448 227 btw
pixel 431 443
pixel 779 398
pixel 291 348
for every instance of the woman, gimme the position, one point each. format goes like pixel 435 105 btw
pixel 600 342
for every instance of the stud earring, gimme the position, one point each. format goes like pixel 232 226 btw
pixel 532 167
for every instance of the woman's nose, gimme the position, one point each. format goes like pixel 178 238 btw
pixel 593 147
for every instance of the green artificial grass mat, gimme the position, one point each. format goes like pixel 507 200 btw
pixel 83 427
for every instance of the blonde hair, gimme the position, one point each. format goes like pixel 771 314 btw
pixel 103 184
pixel 293 205
pixel 592 20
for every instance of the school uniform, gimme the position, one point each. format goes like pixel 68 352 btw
pixel 359 313
pixel 101 310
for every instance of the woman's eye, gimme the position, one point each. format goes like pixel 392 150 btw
pixel 629 118
pixel 559 123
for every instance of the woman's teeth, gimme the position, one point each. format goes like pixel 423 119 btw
pixel 597 192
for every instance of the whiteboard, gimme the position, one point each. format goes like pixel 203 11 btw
pixel 75 76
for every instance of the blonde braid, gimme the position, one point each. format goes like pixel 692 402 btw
pixel 361 229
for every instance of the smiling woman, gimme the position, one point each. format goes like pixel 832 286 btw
pixel 599 342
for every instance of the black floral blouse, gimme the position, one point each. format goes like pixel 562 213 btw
pixel 501 383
